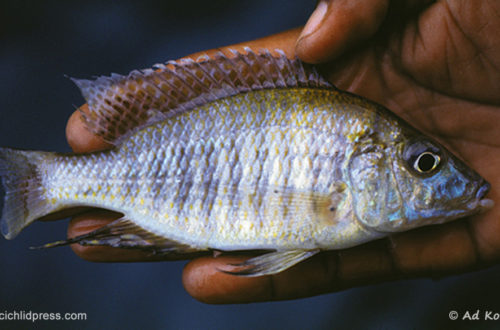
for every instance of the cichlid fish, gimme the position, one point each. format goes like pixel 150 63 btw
pixel 246 152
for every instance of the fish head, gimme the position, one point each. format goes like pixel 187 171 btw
pixel 413 183
pixel 437 186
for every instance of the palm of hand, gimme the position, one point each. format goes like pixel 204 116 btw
pixel 441 74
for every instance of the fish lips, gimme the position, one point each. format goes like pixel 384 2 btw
pixel 484 203
pixel 483 189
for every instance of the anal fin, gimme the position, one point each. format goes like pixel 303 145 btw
pixel 123 233
pixel 271 263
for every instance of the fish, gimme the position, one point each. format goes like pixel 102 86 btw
pixel 251 151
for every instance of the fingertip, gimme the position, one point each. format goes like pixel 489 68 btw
pixel 343 24
pixel 79 137
pixel 204 281
pixel 308 36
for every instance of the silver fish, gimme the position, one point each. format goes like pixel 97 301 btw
pixel 248 152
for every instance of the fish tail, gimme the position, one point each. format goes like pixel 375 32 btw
pixel 24 200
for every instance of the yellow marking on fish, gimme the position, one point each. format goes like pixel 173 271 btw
pixel 277 150
pixel 356 135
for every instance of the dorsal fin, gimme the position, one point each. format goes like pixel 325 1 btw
pixel 119 104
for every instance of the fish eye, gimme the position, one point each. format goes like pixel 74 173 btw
pixel 426 162
pixel 422 157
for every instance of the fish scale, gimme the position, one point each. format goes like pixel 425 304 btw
pixel 253 152
pixel 186 182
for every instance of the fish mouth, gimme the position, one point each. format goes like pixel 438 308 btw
pixel 483 189
pixel 484 203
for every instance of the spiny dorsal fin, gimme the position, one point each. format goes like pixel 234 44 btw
pixel 119 104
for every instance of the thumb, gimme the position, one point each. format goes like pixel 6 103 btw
pixel 337 25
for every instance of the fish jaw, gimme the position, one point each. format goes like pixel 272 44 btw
pixel 481 203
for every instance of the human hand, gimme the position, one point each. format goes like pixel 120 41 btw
pixel 437 65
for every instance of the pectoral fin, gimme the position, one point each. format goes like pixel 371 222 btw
pixel 271 263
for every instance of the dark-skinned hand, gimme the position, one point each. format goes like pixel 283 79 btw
pixel 435 64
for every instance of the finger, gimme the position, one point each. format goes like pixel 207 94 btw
pixel 79 137
pixel 425 252
pixel 320 274
pixel 338 25
pixel 284 41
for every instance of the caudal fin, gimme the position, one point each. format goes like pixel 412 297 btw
pixel 24 194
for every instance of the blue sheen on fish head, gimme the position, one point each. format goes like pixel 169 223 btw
pixel 412 183
pixel 435 185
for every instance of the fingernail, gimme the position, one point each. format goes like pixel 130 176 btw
pixel 314 21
